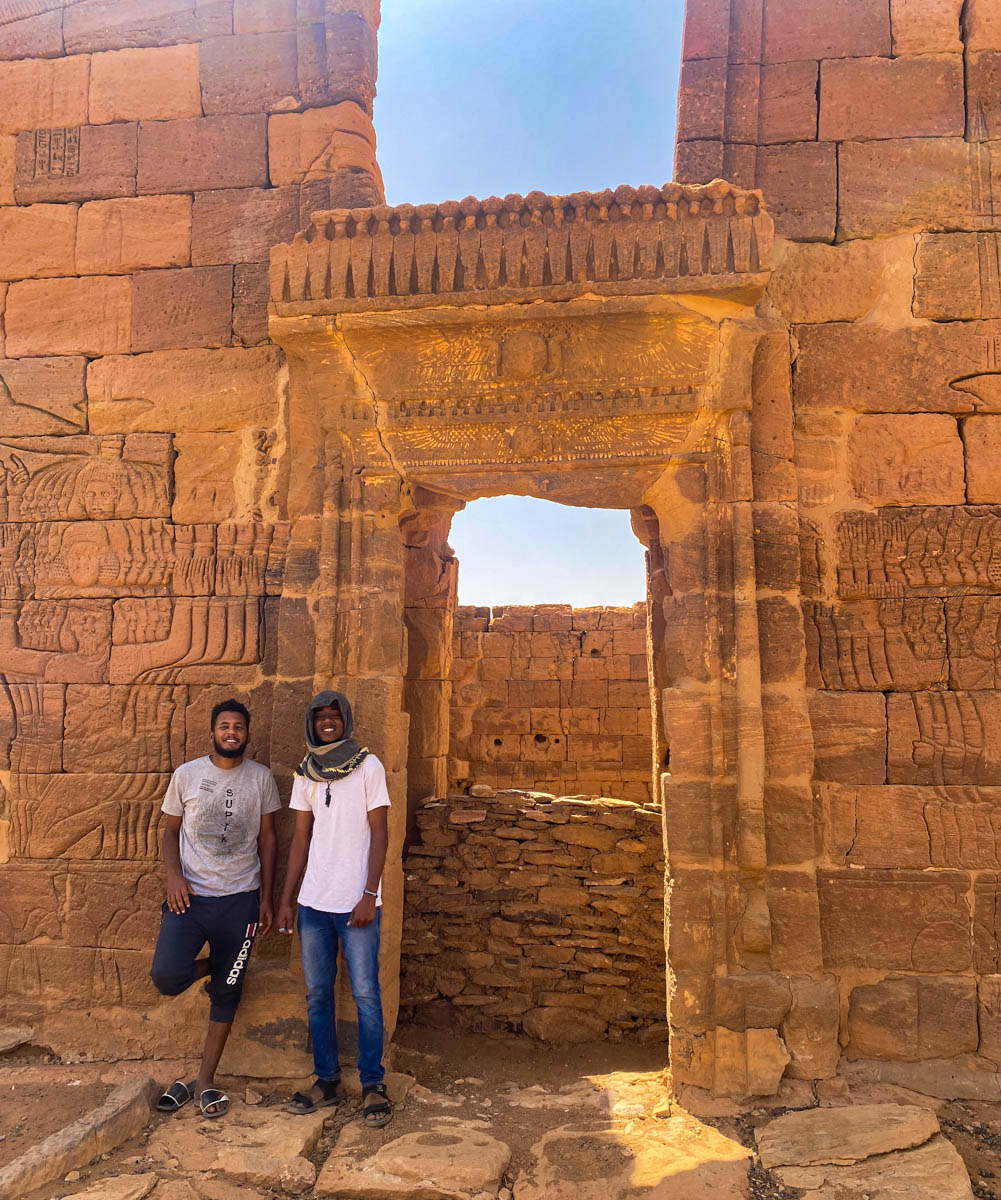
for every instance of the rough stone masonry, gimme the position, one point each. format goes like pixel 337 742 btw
pixel 242 399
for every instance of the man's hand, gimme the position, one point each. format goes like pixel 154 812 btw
pixel 363 912
pixel 286 918
pixel 178 893
pixel 265 917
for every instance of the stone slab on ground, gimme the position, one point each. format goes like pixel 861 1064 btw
pixel 445 1162
pixel 120 1187
pixel 932 1170
pixel 843 1135
pixel 676 1159
pixel 259 1147
pixel 121 1116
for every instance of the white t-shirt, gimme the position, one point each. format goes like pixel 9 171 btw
pixel 220 811
pixel 337 867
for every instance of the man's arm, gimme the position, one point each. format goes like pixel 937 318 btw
pixel 363 912
pixel 298 854
pixel 267 850
pixel 178 889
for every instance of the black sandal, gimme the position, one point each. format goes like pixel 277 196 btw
pixel 214 1099
pixel 331 1092
pixel 175 1097
pixel 375 1107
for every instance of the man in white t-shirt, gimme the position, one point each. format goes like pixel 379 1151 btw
pixel 219 857
pixel 341 837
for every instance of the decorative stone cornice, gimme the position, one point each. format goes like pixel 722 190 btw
pixel 632 241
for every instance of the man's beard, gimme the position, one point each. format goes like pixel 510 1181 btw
pixel 226 752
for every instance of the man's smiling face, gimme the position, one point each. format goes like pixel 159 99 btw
pixel 230 734
pixel 328 724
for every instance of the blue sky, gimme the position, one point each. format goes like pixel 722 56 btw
pixel 486 97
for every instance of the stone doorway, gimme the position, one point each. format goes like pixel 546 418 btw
pixel 594 349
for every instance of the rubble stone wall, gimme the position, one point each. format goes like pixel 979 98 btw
pixel 552 698
pixel 541 915
pixel 872 130
pixel 151 153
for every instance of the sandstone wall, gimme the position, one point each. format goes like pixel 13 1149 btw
pixel 546 916
pixel 151 153
pixel 553 699
pixel 871 129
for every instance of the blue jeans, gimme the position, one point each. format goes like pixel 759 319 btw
pixel 320 932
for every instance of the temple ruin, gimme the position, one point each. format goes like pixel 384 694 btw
pixel 241 400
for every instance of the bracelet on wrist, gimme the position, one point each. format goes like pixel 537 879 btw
pixel 368 893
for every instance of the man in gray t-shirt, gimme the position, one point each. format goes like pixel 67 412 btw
pixel 219 857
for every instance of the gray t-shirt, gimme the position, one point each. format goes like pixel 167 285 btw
pixel 220 813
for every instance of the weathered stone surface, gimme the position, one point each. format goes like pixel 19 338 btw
pixel 37 240
pixel 313 144
pixel 111 24
pixel 876 645
pixel 674 1159
pixel 954 279
pixel 145 85
pixel 250 304
pixel 8 148
pixel 92 316
pixel 928 27
pixel 913 1017
pixel 702 98
pixel 121 1187
pixel 119 236
pixel 42 93
pixel 849 736
pixel 912 459
pixel 944 737
pixel 562 1026
pixel 904 184
pixel 810 1029
pixel 840 1136
pixel 451 1162
pixel 202 390
pixel 103 158
pixel 934 1168
pixel 895 920
pixel 263 1147
pixel 856 29
pixel 262 16
pixel 12 1036
pixel 39 36
pixel 248 73
pixel 121 1116
pixel 241 225
pixel 188 307
pixel 907 97
pixel 749 1063
pixel 42 395
pixel 800 180
pixel 814 282
pixel 202 153
pixel 982 440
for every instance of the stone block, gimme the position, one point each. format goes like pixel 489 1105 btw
pixel 956 276
pixel 913 1017
pixel 263 16
pixel 248 73
pixel 195 390
pixel 901 459
pixel 982 440
pixel 788 744
pixel 699 161
pixel 313 144
pixel 987 924
pixel 989 1017
pixel 925 26
pixel 202 153
pixel 121 236
pixel 787 103
pixel 801 183
pixel 105 723
pixel 242 224
pixel 983 104
pixel 868 369
pixel 982 25
pixel 814 282
pixel 810 1029
pixel 904 184
pixel 918 96
pixel 145 85
pixel 35 36
pixel 89 316
pixel 706 30
pixel 944 738
pixel 89 163
pixel 42 396
pixel 8 150
pixel 702 95
pixel 41 93
pixel 352 56
pixel 853 29
pixel 895 920
pixel 780 639
pixel 849 736
pixel 37 240
pixel 973 624
pixel 91 25
pixel 185 307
